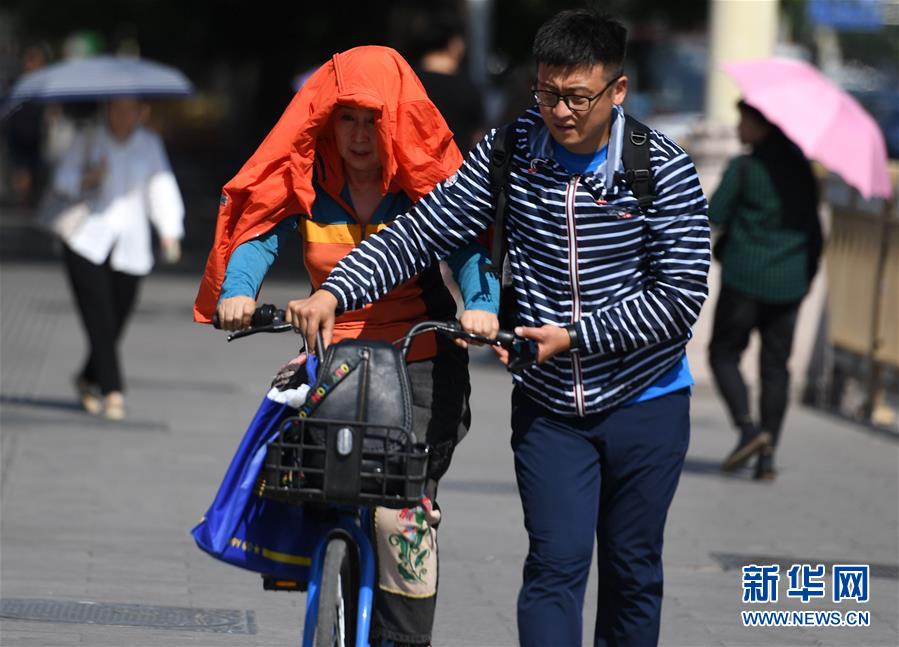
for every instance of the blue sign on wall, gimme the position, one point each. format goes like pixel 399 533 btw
pixel 849 15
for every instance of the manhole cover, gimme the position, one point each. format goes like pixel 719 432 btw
pixel 130 615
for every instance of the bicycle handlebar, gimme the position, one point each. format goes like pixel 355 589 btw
pixel 266 318
pixel 522 351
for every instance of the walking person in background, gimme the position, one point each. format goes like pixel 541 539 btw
pixel 767 208
pixel 25 137
pixel 122 172
pixel 608 291
pixel 438 42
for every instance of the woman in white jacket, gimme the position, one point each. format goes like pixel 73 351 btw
pixel 122 171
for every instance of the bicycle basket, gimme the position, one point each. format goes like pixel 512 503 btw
pixel 315 459
pixel 352 441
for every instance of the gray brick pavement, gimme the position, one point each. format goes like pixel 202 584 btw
pixel 100 512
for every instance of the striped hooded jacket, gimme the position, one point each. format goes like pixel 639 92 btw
pixel 581 252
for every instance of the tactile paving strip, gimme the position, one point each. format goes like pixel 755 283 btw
pixel 130 615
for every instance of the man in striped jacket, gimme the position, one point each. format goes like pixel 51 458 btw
pixel 609 292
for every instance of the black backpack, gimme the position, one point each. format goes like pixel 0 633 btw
pixel 637 175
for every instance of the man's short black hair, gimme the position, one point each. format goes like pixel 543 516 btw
pixel 581 37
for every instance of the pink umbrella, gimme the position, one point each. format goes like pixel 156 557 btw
pixel 824 121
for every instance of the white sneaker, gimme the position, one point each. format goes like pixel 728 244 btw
pixel 114 406
pixel 89 396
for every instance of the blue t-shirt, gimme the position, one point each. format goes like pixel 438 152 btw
pixel 678 376
pixel 674 379
pixel 577 162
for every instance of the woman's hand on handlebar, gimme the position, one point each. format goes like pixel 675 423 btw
pixel 314 314
pixel 235 313
pixel 479 322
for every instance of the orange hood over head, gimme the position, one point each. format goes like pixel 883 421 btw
pixel 416 147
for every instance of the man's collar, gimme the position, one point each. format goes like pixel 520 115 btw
pixel 616 147
pixel 542 146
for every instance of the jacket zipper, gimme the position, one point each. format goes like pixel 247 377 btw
pixel 570 194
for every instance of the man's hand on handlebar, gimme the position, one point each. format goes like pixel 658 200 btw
pixel 551 340
pixel 479 322
pixel 235 313
pixel 312 315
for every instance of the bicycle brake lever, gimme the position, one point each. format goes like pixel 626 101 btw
pixel 275 327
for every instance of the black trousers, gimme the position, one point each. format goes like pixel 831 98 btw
pixel 105 299
pixel 736 316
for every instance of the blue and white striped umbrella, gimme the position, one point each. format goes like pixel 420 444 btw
pixel 99 77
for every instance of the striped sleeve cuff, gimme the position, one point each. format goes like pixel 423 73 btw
pixel 338 294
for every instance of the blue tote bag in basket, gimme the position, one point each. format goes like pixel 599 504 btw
pixel 249 531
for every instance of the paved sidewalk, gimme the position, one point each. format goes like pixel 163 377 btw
pixel 100 513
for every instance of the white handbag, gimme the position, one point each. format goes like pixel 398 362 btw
pixel 61 215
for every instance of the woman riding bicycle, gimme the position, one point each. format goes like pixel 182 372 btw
pixel 357 146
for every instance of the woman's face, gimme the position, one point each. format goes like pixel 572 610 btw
pixel 123 115
pixel 357 138
pixel 751 130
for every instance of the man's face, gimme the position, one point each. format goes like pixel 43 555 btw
pixel 585 131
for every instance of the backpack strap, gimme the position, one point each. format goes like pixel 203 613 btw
pixel 501 155
pixel 635 155
pixel 324 386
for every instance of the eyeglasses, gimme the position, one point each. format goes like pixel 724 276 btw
pixel 575 102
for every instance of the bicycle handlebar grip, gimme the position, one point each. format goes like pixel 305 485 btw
pixel 264 315
pixel 505 338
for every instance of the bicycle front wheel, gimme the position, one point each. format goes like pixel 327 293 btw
pixel 336 623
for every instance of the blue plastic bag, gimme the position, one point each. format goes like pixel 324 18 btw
pixel 246 530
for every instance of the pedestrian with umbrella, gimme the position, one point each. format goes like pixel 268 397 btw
pixel 823 120
pixel 766 206
pixel 112 184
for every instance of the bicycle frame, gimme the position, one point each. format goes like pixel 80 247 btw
pixel 346 526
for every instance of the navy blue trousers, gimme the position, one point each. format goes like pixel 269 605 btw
pixel 612 476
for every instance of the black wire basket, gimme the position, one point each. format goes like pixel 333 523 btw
pixel 341 461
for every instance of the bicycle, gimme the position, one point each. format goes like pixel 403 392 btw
pixel 342 467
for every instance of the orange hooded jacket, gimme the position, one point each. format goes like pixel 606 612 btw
pixel 416 147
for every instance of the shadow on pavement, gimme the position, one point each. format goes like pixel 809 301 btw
pixel 24 413
pixel 57 404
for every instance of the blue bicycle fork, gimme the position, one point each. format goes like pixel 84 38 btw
pixel 366 579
